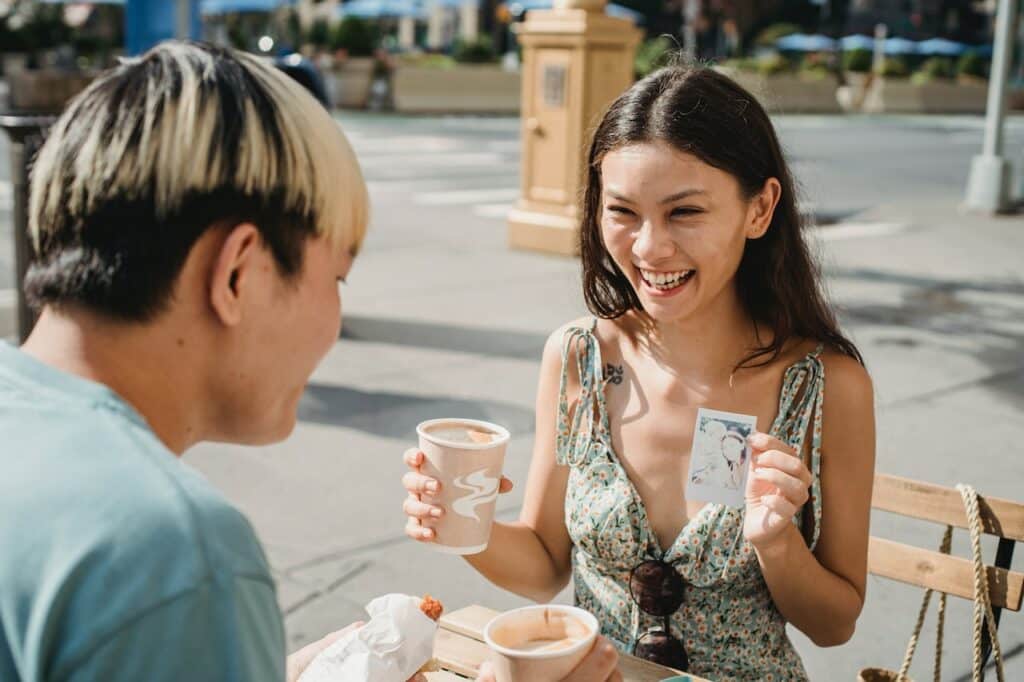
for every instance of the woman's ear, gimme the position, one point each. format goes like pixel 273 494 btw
pixel 762 208
pixel 229 275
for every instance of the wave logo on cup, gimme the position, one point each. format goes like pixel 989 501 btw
pixel 482 488
pixel 466 456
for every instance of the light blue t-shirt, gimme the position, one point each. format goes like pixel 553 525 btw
pixel 117 561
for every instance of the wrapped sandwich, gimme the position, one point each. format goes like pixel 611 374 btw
pixel 395 644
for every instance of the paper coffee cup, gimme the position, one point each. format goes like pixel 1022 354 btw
pixel 466 456
pixel 541 643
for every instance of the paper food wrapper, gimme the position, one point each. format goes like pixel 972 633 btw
pixel 392 646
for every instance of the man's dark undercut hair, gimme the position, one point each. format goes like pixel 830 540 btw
pixel 165 147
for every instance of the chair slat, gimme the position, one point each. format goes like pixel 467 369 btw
pixel 458 653
pixel 445 676
pixel 950 574
pixel 940 504
pixel 469 621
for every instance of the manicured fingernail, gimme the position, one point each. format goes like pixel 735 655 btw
pixel 433 486
pixel 436 512
pixel 427 533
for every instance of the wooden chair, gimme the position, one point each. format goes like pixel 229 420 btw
pixel 927 568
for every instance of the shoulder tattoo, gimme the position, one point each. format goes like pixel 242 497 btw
pixel 613 373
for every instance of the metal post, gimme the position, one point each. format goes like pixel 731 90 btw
pixel 183 20
pixel 691 11
pixel 26 133
pixel 988 186
pixel 878 58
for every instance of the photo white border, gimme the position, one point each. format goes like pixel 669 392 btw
pixel 716 494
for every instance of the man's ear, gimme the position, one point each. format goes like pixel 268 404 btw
pixel 762 209
pixel 232 268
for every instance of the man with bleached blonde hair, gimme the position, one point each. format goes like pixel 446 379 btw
pixel 192 214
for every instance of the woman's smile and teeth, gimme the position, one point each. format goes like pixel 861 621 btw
pixel 665 282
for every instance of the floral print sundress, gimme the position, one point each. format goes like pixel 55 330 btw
pixel 728 622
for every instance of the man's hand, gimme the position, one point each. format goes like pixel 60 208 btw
pixel 300 660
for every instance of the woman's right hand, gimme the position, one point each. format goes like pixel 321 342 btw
pixel 418 504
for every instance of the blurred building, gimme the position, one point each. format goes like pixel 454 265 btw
pixel 965 21
pixel 313 10
pixel 722 25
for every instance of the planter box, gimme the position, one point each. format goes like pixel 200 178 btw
pixel 45 90
pixel 13 62
pixel 789 93
pixel 464 89
pixel 954 97
pixel 351 83
pixel 885 95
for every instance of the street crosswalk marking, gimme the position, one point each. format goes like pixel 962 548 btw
pixel 493 210
pixel 856 230
pixel 466 196
pixel 421 160
pixel 404 144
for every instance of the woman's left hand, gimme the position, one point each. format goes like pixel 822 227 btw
pixel 777 487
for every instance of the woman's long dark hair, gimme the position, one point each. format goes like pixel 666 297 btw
pixel 704 113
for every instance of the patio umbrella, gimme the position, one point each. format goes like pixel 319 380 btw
pixel 211 7
pixel 801 42
pixel 900 46
pixel 942 47
pixel 857 42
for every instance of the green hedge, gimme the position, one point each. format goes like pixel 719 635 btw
pixel 773 64
pixel 972 64
pixel 653 55
pixel 857 61
pixel 319 33
pixel 935 68
pixel 894 67
pixel 479 51
pixel 771 34
pixel 356 36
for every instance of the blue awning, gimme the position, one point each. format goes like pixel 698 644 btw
pixel 801 42
pixel 900 46
pixel 857 42
pixel 241 6
pixel 448 3
pixel 943 47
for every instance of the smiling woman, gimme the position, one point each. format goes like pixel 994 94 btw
pixel 704 297
pixel 701 122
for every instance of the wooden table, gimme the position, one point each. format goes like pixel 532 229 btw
pixel 460 649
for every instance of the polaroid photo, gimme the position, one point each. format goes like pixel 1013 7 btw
pixel 720 458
